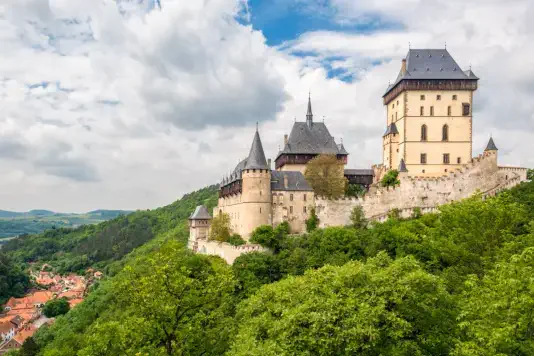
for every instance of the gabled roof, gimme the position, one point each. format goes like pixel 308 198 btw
pixel 392 129
pixel 314 139
pixel 256 157
pixel 295 181
pixel 491 145
pixel 431 64
pixel 200 213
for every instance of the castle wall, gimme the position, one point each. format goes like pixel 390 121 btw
pixel 295 211
pixel 481 174
pixel 224 250
pixel 293 168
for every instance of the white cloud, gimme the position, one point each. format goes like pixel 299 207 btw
pixel 101 108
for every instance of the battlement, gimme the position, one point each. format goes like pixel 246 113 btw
pixel 224 250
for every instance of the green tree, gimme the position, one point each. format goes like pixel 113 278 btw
pixel 271 238
pixel 530 174
pixel 313 221
pixel 236 240
pixel 325 174
pixel 497 311
pixel 252 270
pixel 390 179
pixel 220 228
pixel 357 217
pixel 29 348
pixel 354 190
pixel 56 307
pixel 382 307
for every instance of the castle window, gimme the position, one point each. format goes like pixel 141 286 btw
pixel 422 97
pixel 423 171
pixel 304 197
pixel 465 109
pixel 455 97
pixel 445 133
pixel 260 210
pixel 290 197
pixel 291 210
pixel 438 97
pixel 423 159
pixel 396 115
pixel 449 111
pixel 253 171
pixel 423 133
pixel 304 210
pixel 459 160
pixel 431 111
pixel 260 193
pixel 393 107
pixel 397 103
pixel 422 111
pixel 446 158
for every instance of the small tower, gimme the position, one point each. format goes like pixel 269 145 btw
pixel 256 194
pixel 491 146
pixel 199 226
pixel 309 114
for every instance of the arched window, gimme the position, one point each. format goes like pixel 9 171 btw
pixel 423 133
pixel 445 133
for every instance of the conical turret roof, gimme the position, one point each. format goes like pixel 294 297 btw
pixel 256 157
pixel 200 213
pixel 491 145
pixel 402 166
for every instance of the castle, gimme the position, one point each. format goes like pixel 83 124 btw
pixel 428 139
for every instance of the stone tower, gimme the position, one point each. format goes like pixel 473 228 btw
pixel 199 226
pixel 429 114
pixel 256 190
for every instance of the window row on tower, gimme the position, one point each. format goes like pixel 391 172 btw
pixel 446 158
pixel 466 109
pixel 444 133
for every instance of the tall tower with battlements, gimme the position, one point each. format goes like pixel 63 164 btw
pixel 429 114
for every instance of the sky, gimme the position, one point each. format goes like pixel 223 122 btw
pixel 129 104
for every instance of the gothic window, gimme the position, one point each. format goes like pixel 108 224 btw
pixel 431 111
pixel 423 158
pixel 449 111
pixel 423 133
pixel 445 133
pixel 466 108
pixel 422 111
pixel 290 197
pixel 446 158
pixel 455 97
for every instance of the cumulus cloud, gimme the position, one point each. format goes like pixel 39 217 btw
pixel 116 104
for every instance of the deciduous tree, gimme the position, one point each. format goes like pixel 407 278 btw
pixel 325 174
pixel 220 228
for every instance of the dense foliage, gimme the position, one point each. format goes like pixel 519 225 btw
pixel 390 179
pixel 325 173
pixel 220 228
pixel 73 250
pixel 454 283
pixel 56 307
pixel 13 281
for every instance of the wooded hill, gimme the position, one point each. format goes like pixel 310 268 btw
pixel 454 283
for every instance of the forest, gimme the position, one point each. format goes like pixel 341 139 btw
pixel 458 282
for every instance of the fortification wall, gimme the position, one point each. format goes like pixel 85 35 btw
pixel 426 193
pixel 224 250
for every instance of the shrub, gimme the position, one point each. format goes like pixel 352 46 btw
pixel 312 222
pixel 357 216
pixel 236 240
pixel 390 179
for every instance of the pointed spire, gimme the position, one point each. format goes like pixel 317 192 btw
pixel 491 145
pixel 256 157
pixel 309 114
pixel 402 166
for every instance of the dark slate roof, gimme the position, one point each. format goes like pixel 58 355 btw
pixel 491 145
pixel 314 139
pixel 431 64
pixel 402 166
pixel 295 181
pixel 359 172
pixel 392 129
pixel 341 149
pixel 200 213
pixel 256 157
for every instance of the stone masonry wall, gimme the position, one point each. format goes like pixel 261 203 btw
pixel 481 174
pixel 224 250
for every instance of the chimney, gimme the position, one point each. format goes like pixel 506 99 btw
pixel 285 140
pixel 403 66
pixel 286 183
pixel 269 163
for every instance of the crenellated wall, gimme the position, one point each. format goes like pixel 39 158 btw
pixel 482 174
pixel 224 250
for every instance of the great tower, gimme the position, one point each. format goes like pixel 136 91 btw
pixel 429 114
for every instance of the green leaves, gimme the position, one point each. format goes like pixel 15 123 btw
pixel 56 307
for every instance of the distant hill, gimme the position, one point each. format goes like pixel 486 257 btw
pixel 36 221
